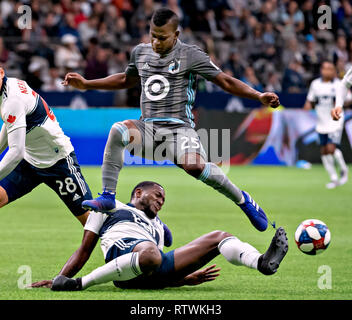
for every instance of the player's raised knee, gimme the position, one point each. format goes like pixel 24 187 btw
pixel 194 169
pixel 149 258
pixel 218 235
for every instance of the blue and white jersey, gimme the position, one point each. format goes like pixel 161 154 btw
pixel 20 106
pixel 125 222
pixel 323 94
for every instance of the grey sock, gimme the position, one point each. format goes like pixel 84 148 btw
pixel 213 176
pixel 114 155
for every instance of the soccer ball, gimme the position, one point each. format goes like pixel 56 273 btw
pixel 312 236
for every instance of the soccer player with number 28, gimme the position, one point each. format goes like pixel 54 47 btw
pixel 39 151
pixel 167 69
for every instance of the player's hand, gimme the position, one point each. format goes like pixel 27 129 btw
pixel 269 99
pixel 75 80
pixel 204 275
pixel 336 113
pixel 42 284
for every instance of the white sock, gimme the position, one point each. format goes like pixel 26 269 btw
pixel 329 165
pixel 239 253
pixel 340 160
pixel 123 268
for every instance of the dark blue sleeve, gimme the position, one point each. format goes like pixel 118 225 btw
pixel 167 235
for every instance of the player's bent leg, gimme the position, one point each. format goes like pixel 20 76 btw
pixel 121 134
pixel 213 176
pixel 3 197
pixel 144 259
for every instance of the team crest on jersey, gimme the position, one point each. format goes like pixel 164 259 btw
pixel 156 87
pixel 174 66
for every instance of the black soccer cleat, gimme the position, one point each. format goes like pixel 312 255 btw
pixel 62 283
pixel 269 262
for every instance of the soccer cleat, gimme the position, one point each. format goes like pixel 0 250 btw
pixel 62 283
pixel 344 177
pixel 332 185
pixel 255 213
pixel 104 203
pixel 269 262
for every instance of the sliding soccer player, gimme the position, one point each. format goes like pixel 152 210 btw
pixel 167 69
pixel 39 151
pixel 132 240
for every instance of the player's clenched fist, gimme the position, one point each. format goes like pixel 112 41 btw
pixel 75 80
pixel 269 99
pixel 336 113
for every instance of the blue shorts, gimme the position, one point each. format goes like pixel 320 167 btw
pixel 126 245
pixel 333 137
pixel 64 177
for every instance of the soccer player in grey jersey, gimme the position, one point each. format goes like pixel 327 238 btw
pixel 167 70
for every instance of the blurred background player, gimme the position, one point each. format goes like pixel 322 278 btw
pixel 167 69
pixel 132 240
pixel 39 151
pixel 321 96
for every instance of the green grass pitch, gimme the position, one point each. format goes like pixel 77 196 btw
pixel 38 231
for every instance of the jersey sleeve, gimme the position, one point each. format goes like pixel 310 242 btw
pixel 131 69
pixel 95 221
pixel 347 79
pixel 13 114
pixel 311 93
pixel 201 63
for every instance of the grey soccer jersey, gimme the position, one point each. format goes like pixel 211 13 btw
pixel 169 82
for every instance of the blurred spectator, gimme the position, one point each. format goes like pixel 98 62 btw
pixel 53 81
pixel 88 29
pixel 51 25
pixel 4 53
pixel 34 75
pixel 234 66
pixel 273 83
pixel 118 62
pixel 68 54
pixel 340 51
pixel 292 51
pixel 293 81
pixel 312 57
pixel 250 78
pixel 97 65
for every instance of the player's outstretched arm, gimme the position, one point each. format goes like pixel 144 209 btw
pixel 113 82
pixel 3 139
pixel 240 89
pixel 76 262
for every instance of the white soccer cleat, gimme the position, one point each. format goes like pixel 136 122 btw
pixel 332 184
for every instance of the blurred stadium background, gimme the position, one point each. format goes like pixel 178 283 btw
pixel 272 45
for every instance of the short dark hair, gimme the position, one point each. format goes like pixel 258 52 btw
pixel 163 15
pixel 144 185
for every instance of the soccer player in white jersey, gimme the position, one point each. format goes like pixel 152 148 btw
pixel 321 96
pixel 38 150
pixel 132 240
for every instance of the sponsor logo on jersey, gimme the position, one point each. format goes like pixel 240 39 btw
pixel 156 87
pixel 11 119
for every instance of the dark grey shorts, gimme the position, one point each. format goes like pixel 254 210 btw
pixel 166 141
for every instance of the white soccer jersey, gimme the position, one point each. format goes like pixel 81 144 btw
pixel 348 78
pixel 125 222
pixel 323 95
pixel 20 106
